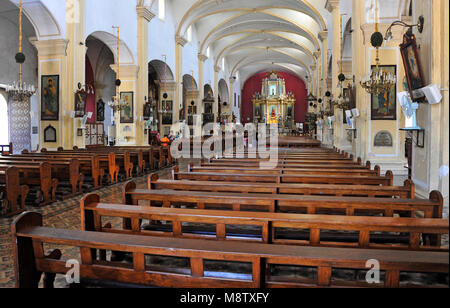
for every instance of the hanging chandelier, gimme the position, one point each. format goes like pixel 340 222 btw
pixel 116 104
pixel 19 91
pixel 378 80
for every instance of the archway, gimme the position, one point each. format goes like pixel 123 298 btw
pixel 224 102
pixel 190 97
pixel 101 77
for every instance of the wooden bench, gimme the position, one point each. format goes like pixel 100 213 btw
pixel 31 261
pixel 282 171
pixel 66 172
pixel 40 181
pixel 403 192
pixel 387 180
pixel 350 206
pixel 89 164
pixel 13 194
pixel 309 230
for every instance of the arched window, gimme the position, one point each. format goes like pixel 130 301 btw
pixel 4 127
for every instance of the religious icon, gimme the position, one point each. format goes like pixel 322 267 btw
pixel 126 115
pixel 80 104
pixel 412 66
pixel 147 111
pixel 50 98
pixel 100 111
pixel 384 105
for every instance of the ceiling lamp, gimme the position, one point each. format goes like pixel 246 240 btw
pixel 116 104
pixel 419 25
pixel 19 91
pixel 378 81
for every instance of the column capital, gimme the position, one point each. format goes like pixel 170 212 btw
pixel 232 80
pixel 202 57
pixel 126 71
pixel 50 47
pixel 144 12
pixel 313 67
pixel 317 54
pixel 331 5
pixel 323 35
pixel 217 69
pixel 180 40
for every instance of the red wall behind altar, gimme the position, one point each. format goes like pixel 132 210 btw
pixel 293 84
pixel 90 99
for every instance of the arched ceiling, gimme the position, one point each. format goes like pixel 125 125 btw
pixel 254 34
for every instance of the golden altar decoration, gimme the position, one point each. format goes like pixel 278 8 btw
pixel 274 105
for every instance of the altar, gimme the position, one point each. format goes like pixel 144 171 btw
pixel 274 105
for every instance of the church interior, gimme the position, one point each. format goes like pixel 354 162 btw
pixel 135 139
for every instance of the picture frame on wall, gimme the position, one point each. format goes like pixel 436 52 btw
pixel 127 114
pixel 384 105
pixel 413 68
pixel 50 98
pixel 100 111
pixel 80 104
pixel 50 134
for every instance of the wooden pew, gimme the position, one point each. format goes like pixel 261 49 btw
pixel 40 181
pixel 29 236
pixel 350 206
pixel 117 161
pixel 281 171
pixel 387 180
pixel 310 230
pixel 404 192
pixel 63 171
pixel 107 161
pixel 13 194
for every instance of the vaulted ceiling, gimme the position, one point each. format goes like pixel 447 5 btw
pixel 256 35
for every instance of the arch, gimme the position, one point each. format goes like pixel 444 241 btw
pixel 157 69
pixel 110 40
pixel 224 93
pixel 43 20
pixel 189 83
pixel 4 121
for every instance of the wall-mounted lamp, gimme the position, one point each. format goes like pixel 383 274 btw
pixel 420 24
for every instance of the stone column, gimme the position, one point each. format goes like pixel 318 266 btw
pixel 313 79
pixel 323 36
pixel 144 17
pixel 318 77
pixel 216 92
pixel 178 104
pixel 55 58
pixel 201 76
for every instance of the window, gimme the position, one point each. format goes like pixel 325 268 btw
pixel 208 52
pixel 189 34
pixel 4 128
pixel 223 63
pixel 162 9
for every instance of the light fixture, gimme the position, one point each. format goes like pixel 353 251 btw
pixel 116 104
pixel 420 24
pixel 19 91
pixel 378 81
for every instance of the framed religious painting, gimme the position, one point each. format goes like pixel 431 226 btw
pixel 80 104
pixel 384 105
pixel 126 115
pixel 100 111
pixel 413 69
pixel 50 98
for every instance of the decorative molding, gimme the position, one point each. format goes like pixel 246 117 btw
pixel 180 40
pixel 331 5
pixel 144 12
pixel 202 57
pixel 48 48
pixel 126 71
pixel 217 69
pixel 323 35
pixel 313 67
pixel 317 54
